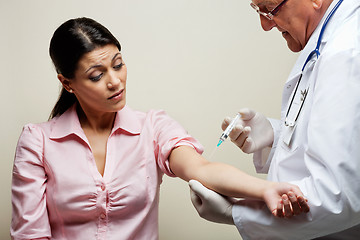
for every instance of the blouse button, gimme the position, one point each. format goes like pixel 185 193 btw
pixel 103 187
pixel 102 216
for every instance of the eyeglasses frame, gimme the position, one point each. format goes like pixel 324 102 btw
pixel 269 15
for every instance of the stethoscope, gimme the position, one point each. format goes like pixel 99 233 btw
pixel 312 53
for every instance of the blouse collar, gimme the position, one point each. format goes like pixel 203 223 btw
pixel 68 123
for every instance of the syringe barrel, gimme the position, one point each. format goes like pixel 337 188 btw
pixel 232 124
pixel 227 131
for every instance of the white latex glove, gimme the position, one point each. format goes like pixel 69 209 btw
pixel 252 132
pixel 211 205
pixel 282 199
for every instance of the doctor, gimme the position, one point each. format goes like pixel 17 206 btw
pixel 316 144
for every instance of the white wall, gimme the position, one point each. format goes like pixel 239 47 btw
pixel 200 60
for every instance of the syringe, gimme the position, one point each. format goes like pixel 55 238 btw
pixel 227 131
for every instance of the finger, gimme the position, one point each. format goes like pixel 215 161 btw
pixel 303 204
pixel 236 132
pixel 248 145
pixel 302 201
pixel 279 210
pixel 247 114
pixel 242 137
pixel 274 212
pixel 225 123
pixel 197 187
pixel 247 130
pixel 287 208
pixel 296 190
pixel 195 199
pixel 195 194
pixel 294 203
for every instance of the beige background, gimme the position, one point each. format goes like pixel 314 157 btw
pixel 200 60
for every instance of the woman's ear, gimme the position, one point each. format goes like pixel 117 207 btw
pixel 65 82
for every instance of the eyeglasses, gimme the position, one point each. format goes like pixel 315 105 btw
pixel 268 15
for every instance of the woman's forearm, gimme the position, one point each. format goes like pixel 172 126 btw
pixel 187 164
pixel 230 181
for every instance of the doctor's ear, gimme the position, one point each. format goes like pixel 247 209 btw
pixel 65 82
pixel 317 4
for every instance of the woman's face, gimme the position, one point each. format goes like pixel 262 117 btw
pixel 100 81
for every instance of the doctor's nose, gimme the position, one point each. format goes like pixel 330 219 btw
pixel 267 24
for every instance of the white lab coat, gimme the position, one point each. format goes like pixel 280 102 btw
pixel 323 154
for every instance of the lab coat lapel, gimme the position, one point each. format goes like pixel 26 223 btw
pixel 296 72
pixel 288 89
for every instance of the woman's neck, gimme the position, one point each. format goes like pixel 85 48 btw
pixel 96 122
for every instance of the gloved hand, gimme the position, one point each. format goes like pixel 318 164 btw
pixel 282 199
pixel 211 205
pixel 252 132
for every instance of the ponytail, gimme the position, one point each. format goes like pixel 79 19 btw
pixel 65 101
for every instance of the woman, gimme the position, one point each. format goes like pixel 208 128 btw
pixel 93 170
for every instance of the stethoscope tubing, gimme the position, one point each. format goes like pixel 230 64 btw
pixel 316 51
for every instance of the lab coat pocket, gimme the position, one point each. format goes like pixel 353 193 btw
pixel 288 139
pixel 289 148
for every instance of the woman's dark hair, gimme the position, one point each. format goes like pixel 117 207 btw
pixel 70 42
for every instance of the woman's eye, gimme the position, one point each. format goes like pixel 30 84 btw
pixel 96 78
pixel 118 66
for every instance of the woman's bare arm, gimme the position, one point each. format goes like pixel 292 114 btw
pixel 187 164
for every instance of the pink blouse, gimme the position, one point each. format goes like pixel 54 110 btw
pixel 58 193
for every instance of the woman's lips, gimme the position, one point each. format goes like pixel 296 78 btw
pixel 117 95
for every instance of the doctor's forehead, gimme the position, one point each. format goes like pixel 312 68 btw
pixel 266 2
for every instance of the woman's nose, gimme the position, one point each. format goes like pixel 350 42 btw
pixel 267 24
pixel 114 80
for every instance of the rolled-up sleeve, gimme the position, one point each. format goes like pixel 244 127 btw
pixel 29 213
pixel 169 134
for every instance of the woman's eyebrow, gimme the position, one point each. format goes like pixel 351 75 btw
pixel 95 66
pixel 98 65
pixel 115 56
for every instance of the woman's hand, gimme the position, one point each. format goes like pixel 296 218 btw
pixel 285 200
